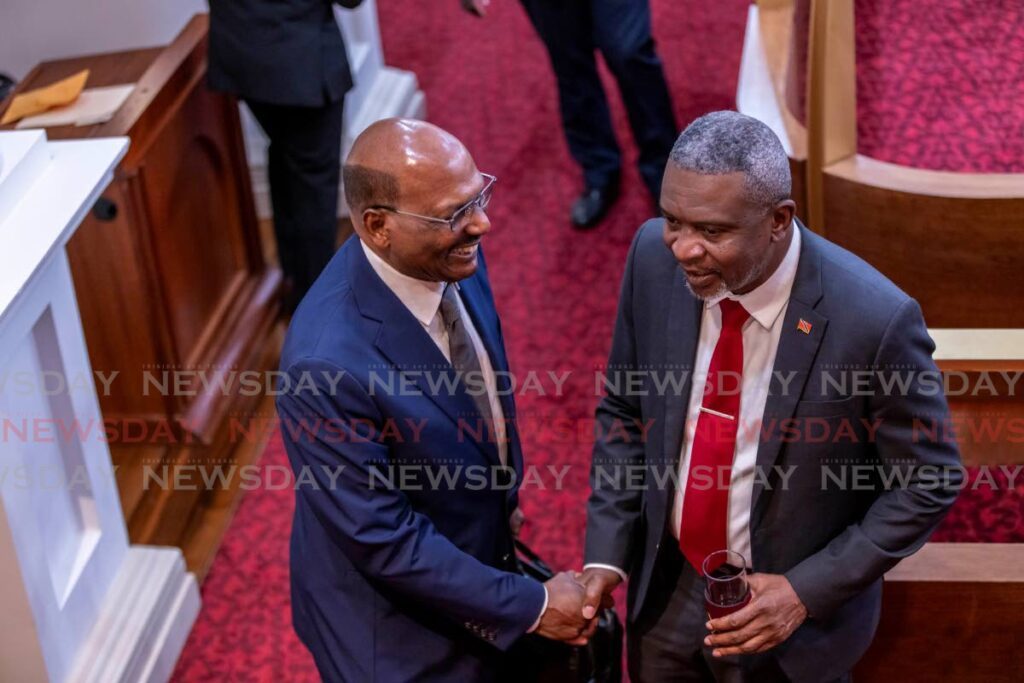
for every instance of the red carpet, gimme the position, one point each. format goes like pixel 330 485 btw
pixel 489 83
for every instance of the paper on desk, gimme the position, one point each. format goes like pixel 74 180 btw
pixel 95 105
pixel 39 100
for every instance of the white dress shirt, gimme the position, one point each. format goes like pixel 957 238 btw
pixel 423 299
pixel 767 308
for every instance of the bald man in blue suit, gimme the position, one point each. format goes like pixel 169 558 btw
pixel 397 576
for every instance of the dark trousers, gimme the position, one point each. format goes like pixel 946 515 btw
pixel 621 30
pixel 666 644
pixel 303 167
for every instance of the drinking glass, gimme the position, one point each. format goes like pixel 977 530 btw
pixel 725 583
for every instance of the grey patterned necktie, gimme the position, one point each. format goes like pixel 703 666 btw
pixel 464 358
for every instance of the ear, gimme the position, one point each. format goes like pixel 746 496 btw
pixel 376 227
pixel 782 217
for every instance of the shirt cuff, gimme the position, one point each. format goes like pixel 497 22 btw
pixel 543 609
pixel 598 565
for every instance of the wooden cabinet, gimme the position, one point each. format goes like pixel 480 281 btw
pixel 170 276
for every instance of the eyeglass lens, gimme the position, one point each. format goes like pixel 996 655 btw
pixel 480 201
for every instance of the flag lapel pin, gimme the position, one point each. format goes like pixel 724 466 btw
pixel 804 326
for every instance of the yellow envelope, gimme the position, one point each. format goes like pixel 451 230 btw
pixel 41 99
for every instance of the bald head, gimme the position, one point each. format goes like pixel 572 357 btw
pixel 392 158
pixel 410 188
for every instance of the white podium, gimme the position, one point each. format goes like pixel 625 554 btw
pixel 77 602
pixel 380 92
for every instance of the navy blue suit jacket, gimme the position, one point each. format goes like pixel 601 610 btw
pixel 833 542
pixel 396 579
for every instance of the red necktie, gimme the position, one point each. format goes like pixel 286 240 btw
pixel 704 525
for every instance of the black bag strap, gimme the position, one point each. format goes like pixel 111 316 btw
pixel 531 564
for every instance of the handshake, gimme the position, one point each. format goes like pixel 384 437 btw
pixel 574 600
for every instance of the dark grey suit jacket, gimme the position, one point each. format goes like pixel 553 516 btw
pixel 832 541
pixel 285 52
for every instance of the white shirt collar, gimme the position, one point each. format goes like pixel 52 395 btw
pixel 766 301
pixel 422 298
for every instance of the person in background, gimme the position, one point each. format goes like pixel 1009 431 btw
pixel 572 31
pixel 286 60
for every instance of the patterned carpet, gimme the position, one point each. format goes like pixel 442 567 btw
pixel 940 84
pixel 489 83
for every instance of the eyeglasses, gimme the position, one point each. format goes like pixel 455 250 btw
pixel 463 213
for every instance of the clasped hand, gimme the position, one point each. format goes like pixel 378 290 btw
pixel 773 614
pixel 573 603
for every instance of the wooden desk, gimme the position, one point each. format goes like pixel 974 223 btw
pixel 951 612
pixel 172 278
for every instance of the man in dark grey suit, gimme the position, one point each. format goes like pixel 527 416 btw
pixel 809 466
pixel 287 60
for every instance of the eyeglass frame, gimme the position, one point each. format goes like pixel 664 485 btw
pixel 480 201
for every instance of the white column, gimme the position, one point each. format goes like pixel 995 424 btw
pixel 79 603
pixel 380 92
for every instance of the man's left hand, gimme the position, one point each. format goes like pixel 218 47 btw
pixel 771 616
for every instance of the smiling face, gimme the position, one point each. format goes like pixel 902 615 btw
pixel 431 251
pixel 433 176
pixel 723 241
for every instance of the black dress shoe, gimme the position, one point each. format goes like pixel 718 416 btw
pixel 593 204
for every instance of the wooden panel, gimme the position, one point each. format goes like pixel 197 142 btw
pixel 928 183
pixel 959 257
pixel 978 348
pixel 187 176
pixel 167 515
pixel 798 169
pixel 831 96
pixel 187 512
pixel 953 613
pixel 989 431
pixel 953 631
pixel 123 331
pixel 796 64
pixel 984 383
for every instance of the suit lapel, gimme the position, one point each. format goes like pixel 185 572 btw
pixel 794 358
pixel 403 341
pixel 681 334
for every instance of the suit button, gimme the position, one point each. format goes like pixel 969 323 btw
pixel 506 557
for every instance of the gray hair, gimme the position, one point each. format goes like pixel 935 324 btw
pixel 729 142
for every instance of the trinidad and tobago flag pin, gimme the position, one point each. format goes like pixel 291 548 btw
pixel 804 326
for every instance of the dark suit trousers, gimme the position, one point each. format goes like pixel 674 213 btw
pixel 665 645
pixel 621 30
pixel 303 168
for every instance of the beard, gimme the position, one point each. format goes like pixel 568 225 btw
pixel 755 271
pixel 718 291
